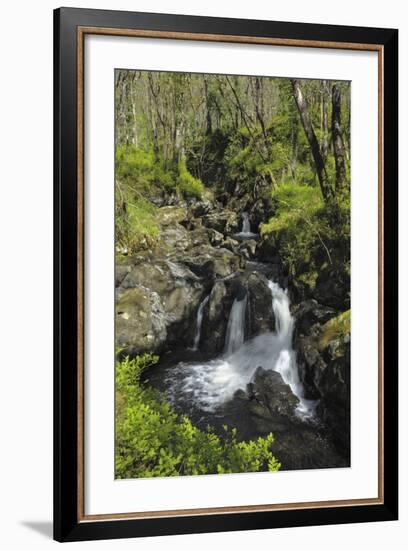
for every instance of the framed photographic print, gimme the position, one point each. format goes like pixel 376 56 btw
pixel 225 274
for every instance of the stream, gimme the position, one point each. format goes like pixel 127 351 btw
pixel 209 390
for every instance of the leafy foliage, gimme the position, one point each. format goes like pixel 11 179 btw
pixel 313 238
pixel 140 178
pixel 293 203
pixel 152 440
pixel 137 228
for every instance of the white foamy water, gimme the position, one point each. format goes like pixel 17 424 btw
pixel 245 232
pixel 236 326
pixel 246 225
pixel 212 383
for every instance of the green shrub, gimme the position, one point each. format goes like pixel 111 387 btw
pixel 141 171
pixel 188 185
pixel 153 441
pixel 312 238
pixel 294 204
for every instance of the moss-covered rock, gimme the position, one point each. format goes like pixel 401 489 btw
pixel 323 356
pixel 335 329
pixel 140 321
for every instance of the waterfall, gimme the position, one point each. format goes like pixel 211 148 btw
pixel 236 326
pixel 286 364
pixel 200 314
pixel 214 382
pixel 245 232
pixel 246 225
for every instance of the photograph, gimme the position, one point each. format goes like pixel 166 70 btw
pixel 232 273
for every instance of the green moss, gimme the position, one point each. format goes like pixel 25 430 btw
pixel 294 203
pixel 153 441
pixel 336 327
pixel 137 228
pixel 187 184
pixel 311 238
pixel 308 279
pixel 140 170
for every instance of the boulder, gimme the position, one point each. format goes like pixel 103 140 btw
pixel 215 237
pixel 260 316
pixel 310 366
pixel 271 401
pixel 215 318
pixel 202 208
pixel 140 321
pixel 334 386
pixel 225 221
pixel 323 357
pixel 248 248
pixel 308 313
pixel 174 239
pixel 231 244
pixel 333 287
pixel 161 276
pixel 170 215
pixel 212 263
pixel 178 290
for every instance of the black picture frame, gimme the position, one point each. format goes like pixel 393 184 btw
pixel 68 525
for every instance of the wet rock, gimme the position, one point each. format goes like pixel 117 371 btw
pixel 231 244
pixel 268 247
pixel 202 208
pixel 212 263
pixel 333 288
pixel 215 237
pixel 224 221
pixel 161 276
pixel 178 290
pixel 248 249
pixel 175 239
pixel 310 366
pixel 215 318
pixel 334 386
pixel 260 211
pixel 271 401
pixel 260 316
pixel 308 313
pixel 323 356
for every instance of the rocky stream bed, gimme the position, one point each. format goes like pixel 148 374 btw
pixel 238 346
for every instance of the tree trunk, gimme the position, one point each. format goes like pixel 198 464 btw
pixel 134 115
pixel 338 146
pixel 325 119
pixel 325 187
pixel 208 119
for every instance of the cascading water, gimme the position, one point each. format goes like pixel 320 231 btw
pixel 200 314
pixel 245 232
pixel 209 385
pixel 246 225
pixel 236 326
pixel 286 364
